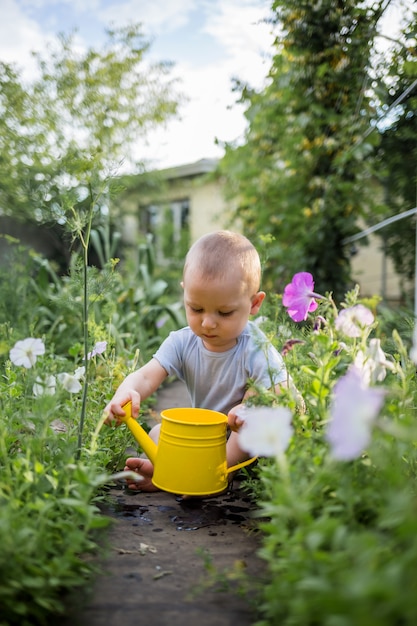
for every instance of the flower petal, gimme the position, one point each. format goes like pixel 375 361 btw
pixel 69 382
pixel 99 348
pixel 44 386
pixel 354 320
pixel 266 431
pixel 354 408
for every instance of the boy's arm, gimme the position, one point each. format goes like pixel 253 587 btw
pixel 136 387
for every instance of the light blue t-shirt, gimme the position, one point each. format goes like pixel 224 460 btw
pixel 218 380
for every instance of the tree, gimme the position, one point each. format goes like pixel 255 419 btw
pixel 398 150
pixel 301 176
pixel 65 133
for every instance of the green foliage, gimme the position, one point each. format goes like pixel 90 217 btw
pixel 132 309
pixel 48 514
pixel 303 177
pixel 398 151
pixel 62 136
pixel 339 537
pixel 66 131
pixel 55 455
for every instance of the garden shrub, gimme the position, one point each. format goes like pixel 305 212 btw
pixel 56 461
pixel 338 500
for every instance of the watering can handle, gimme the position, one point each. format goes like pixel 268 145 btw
pixel 240 465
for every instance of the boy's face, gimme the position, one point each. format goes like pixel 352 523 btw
pixel 217 310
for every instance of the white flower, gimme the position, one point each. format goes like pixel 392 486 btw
pixel 352 321
pixel 266 431
pixel 79 372
pixel 260 320
pixel 71 382
pixel 26 351
pixel 44 386
pixel 373 363
pixel 284 331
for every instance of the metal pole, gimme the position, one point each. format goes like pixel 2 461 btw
pixel 391 220
pixel 415 281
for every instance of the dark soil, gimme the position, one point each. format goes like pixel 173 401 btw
pixel 175 561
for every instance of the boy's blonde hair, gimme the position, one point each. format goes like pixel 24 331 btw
pixel 214 254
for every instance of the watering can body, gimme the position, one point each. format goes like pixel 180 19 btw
pixel 190 458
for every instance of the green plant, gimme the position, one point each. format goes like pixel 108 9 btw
pixel 55 458
pixel 338 508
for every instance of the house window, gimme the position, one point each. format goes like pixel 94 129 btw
pixel 168 225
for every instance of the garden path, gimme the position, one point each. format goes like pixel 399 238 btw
pixel 172 561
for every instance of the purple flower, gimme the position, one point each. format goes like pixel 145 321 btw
pixel 299 296
pixel 354 408
pixel 99 348
pixel 162 321
pixel 318 323
pixel 289 344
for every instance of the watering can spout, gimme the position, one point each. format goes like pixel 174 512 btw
pixel 148 446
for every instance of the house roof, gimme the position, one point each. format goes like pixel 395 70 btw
pixel 203 166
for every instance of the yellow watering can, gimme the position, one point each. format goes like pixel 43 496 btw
pixel 190 458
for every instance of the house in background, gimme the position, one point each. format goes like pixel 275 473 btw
pixel 190 203
pixel 184 203
pixel 374 271
pixel 176 206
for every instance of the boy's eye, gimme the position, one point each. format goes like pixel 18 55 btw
pixel 196 310
pixel 226 314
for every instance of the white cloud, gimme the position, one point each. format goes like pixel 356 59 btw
pixel 78 6
pixel 19 34
pixel 241 28
pixel 207 115
pixel 234 43
pixel 160 15
pixel 212 112
pixel 395 16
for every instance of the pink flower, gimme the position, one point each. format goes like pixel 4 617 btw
pixel 299 296
pixel 353 410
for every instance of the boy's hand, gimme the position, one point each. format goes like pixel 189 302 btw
pixel 144 469
pixel 114 409
pixel 234 419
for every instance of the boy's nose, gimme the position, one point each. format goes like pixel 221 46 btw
pixel 208 322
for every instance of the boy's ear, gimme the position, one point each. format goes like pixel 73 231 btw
pixel 182 284
pixel 256 302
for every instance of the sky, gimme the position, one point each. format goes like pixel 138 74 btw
pixel 209 42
